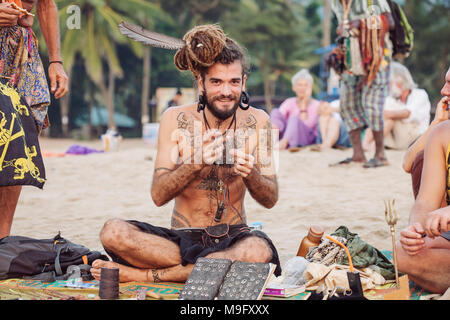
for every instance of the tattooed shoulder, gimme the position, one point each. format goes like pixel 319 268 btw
pixel 248 122
pixel 182 120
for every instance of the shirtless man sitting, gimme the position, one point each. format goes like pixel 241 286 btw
pixel 424 247
pixel 209 154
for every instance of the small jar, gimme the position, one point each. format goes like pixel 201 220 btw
pixel 313 238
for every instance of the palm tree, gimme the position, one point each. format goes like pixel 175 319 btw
pixel 96 41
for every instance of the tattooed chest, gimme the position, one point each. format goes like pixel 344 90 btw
pixel 191 129
pixel 216 178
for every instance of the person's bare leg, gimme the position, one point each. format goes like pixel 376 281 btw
pixel 140 249
pixel 164 264
pixel 358 152
pixel 368 143
pixel 388 125
pixel 9 196
pixel 379 145
pixel 430 268
pixel 332 135
pixel 323 126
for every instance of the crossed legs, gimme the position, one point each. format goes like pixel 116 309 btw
pixel 157 259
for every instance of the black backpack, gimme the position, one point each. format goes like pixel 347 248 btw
pixel 44 259
pixel 402 37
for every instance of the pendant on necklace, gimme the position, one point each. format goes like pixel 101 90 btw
pixel 220 186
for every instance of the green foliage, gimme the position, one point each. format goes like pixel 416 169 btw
pixel 430 58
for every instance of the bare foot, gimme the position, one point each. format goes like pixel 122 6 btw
pixel 126 274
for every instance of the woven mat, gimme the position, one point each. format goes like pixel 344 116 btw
pixel 13 289
pixel 61 290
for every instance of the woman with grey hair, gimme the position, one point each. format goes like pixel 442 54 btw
pixel 297 117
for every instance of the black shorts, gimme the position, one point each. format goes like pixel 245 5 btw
pixel 196 243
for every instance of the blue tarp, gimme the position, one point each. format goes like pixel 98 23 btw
pixel 99 117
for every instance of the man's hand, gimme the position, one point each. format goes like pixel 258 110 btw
pixel 437 222
pixel 442 110
pixel 243 162
pixel 8 15
pixel 346 26
pixel 25 21
pixel 59 84
pixel 213 146
pixel 411 239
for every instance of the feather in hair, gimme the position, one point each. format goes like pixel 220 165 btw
pixel 148 37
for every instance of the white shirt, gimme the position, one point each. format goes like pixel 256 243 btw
pixel 418 105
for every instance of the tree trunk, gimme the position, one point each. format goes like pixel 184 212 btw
pixel 265 73
pixel 146 85
pixel 267 92
pixel 110 100
pixel 326 37
pixel 64 111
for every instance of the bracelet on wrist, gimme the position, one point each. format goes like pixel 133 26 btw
pixel 55 61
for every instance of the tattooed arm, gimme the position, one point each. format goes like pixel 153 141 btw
pixel 168 183
pixel 257 168
pixel 264 189
pixel 170 178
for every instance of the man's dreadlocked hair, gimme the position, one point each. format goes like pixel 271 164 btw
pixel 205 46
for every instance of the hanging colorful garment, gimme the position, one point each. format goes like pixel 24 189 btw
pixel 21 66
pixel 373 46
pixel 355 57
pixel 20 156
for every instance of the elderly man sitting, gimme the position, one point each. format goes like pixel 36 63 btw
pixel 406 112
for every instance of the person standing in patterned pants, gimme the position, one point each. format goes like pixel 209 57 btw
pixel 362 106
pixel 361 100
pixel 21 67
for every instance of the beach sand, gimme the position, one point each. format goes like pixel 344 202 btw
pixel 83 191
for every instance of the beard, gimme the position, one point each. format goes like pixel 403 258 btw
pixel 216 111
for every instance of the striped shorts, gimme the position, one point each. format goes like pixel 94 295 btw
pixel 362 106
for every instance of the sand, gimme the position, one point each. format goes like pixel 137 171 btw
pixel 83 191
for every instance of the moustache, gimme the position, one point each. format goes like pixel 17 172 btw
pixel 230 97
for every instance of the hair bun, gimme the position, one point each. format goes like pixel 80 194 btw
pixel 203 44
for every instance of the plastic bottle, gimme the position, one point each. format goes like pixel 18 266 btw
pixel 311 240
pixel 257 225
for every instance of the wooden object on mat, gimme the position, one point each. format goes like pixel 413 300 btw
pixel 391 219
pixel 401 293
